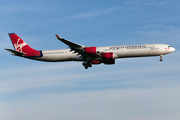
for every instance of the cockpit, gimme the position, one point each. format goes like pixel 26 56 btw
pixel 170 49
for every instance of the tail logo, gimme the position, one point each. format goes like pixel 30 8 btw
pixel 18 46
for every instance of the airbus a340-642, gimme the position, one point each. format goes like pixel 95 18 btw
pixel 88 55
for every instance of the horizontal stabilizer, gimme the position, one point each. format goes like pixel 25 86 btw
pixel 14 52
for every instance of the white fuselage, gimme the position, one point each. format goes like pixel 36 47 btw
pixel 125 51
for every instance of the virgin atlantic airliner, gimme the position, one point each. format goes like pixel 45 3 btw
pixel 88 55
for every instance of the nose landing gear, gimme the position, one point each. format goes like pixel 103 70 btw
pixel 161 58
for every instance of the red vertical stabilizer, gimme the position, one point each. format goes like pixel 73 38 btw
pixel 21 46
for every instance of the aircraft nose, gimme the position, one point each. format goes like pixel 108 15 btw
pixel 172 49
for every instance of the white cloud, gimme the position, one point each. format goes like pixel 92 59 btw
pixel 26 77
pixel 92 14
pixel 23 6
pixel 161 33
pixel 127 104
pixel 159 26
pixel 162 3
pixel 147 3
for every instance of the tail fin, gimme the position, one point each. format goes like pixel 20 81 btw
pixel 23 47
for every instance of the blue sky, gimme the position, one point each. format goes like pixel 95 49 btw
pixel 134 88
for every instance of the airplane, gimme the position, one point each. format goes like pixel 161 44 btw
pixel 88 55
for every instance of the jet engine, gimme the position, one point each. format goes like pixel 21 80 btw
pixel 107 55
pixel 90 50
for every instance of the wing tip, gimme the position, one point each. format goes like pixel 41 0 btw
pixel 57 36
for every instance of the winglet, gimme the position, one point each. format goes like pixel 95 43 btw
pixel 69 43
pixel 58 37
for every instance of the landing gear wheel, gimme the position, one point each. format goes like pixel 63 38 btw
pixel 86 65
pixel 161 58
pixel 89 65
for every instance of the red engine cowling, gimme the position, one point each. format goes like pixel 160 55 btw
pixel 107 55
pixel 95 62
pixel 109 62
pixel 90 50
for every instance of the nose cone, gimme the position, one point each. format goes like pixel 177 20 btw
pixel 172 49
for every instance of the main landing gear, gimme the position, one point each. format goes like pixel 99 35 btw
pixel 161 58
pixel 86 65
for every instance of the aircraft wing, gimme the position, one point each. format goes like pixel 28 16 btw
pixel 80 49
pixel 14 52
pixel 69 43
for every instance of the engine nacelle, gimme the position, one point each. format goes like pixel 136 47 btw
pixel 109 62
pixel 95 62
pixel 107 55
pixel 90 50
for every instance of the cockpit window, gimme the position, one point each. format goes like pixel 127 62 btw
pixel 169 46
